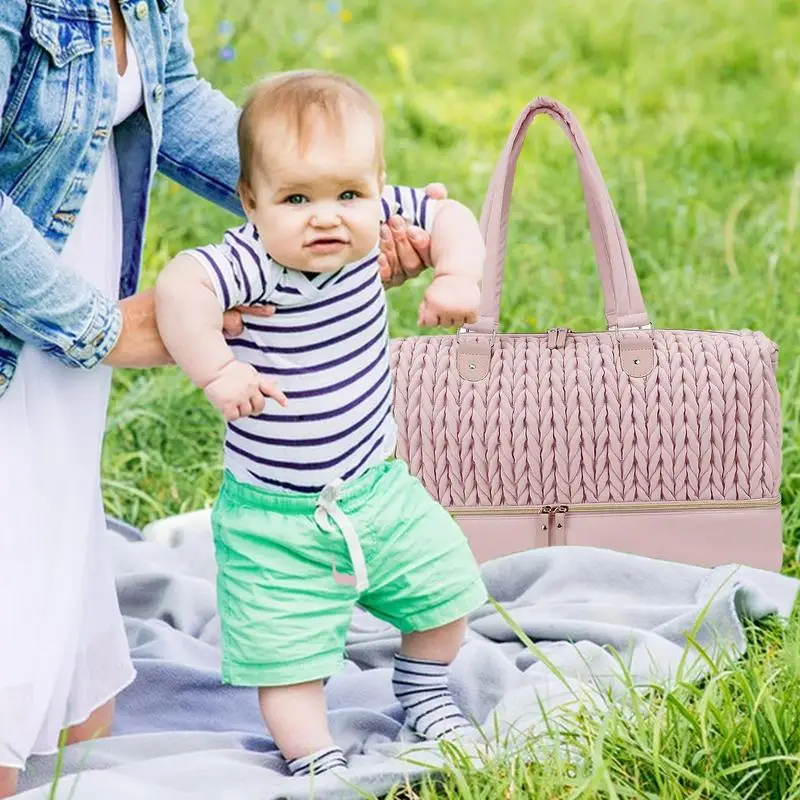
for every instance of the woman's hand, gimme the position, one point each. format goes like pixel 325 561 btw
pixel 139 345
pixel 406 250
pixel 232 324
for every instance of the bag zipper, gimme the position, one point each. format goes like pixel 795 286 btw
pixel 619 508
pixel 553 516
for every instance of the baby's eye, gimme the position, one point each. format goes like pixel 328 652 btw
pixel 348 195
pixel 295 199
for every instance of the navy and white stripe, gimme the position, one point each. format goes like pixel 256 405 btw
pixel 421 688
pixel 326 347
pixel 322 761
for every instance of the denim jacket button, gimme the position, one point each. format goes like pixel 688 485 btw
pixel 158 91
pixel 141 11
pixel 3 380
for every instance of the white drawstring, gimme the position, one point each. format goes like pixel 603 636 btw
pixel 327 513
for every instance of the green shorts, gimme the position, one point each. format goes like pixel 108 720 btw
pixel 284 605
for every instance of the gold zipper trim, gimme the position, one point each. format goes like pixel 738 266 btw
pixel 617 508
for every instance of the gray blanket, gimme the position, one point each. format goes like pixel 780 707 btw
pixel 593 615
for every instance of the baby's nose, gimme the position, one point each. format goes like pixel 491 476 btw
pixel 325 217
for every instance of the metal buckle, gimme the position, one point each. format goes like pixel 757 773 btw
pixel 617 329
pixel 465 330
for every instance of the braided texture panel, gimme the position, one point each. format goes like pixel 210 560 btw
pixel 567 425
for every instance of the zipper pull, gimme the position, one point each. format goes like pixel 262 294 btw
pixel 558 527
pixel 543 537
pixel 557 338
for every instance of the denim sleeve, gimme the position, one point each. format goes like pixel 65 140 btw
pixel 41 302
pixel 198 147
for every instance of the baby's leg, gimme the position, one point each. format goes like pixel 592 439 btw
pixel 8 781
pixel 420 681
pixel 297 719
pixel 283 615
pixel 423 580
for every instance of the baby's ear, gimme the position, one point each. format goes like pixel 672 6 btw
pixel 247 198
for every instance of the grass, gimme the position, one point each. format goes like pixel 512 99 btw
pixel 692 109
pixel 734 736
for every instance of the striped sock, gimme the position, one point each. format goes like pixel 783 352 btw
pixel 421 687
pixel 319 762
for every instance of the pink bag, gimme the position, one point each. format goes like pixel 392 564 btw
pixel 657 442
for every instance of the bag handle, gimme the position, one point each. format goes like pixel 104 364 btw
pixel 624 307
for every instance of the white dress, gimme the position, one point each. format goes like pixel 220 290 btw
pixel 63 651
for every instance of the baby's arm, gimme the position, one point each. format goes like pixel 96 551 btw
pixel 458 253
pixel 189 319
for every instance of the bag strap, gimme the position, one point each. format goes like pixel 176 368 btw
pixel 624 307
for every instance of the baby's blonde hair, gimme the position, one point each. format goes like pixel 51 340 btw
pixel 293 98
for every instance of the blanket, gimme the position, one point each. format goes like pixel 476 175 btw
pixel 598 620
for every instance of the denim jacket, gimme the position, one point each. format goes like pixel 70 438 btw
pixel 57 92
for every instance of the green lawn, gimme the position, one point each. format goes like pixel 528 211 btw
pixel 693 110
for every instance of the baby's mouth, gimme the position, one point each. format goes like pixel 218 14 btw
pixel 326 244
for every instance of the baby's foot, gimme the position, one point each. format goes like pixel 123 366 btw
pixel 421 687
pixel 327 760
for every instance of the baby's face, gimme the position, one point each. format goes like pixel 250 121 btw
pixel 320 209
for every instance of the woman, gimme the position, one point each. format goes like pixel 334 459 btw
pixel 95 97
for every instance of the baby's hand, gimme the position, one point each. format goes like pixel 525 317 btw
pixel 450 300
pixel 239 391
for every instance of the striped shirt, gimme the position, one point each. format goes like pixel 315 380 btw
pixel 326 346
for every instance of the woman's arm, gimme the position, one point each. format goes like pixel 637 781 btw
pixel 42 302
pixel 198 148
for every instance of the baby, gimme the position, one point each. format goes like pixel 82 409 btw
pixel 314 516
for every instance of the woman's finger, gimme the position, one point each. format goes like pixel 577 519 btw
pixel 420 240
pixel 388 261
pixel 232 324
pixel 410 264
pixel 256 311
pixel 384 269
